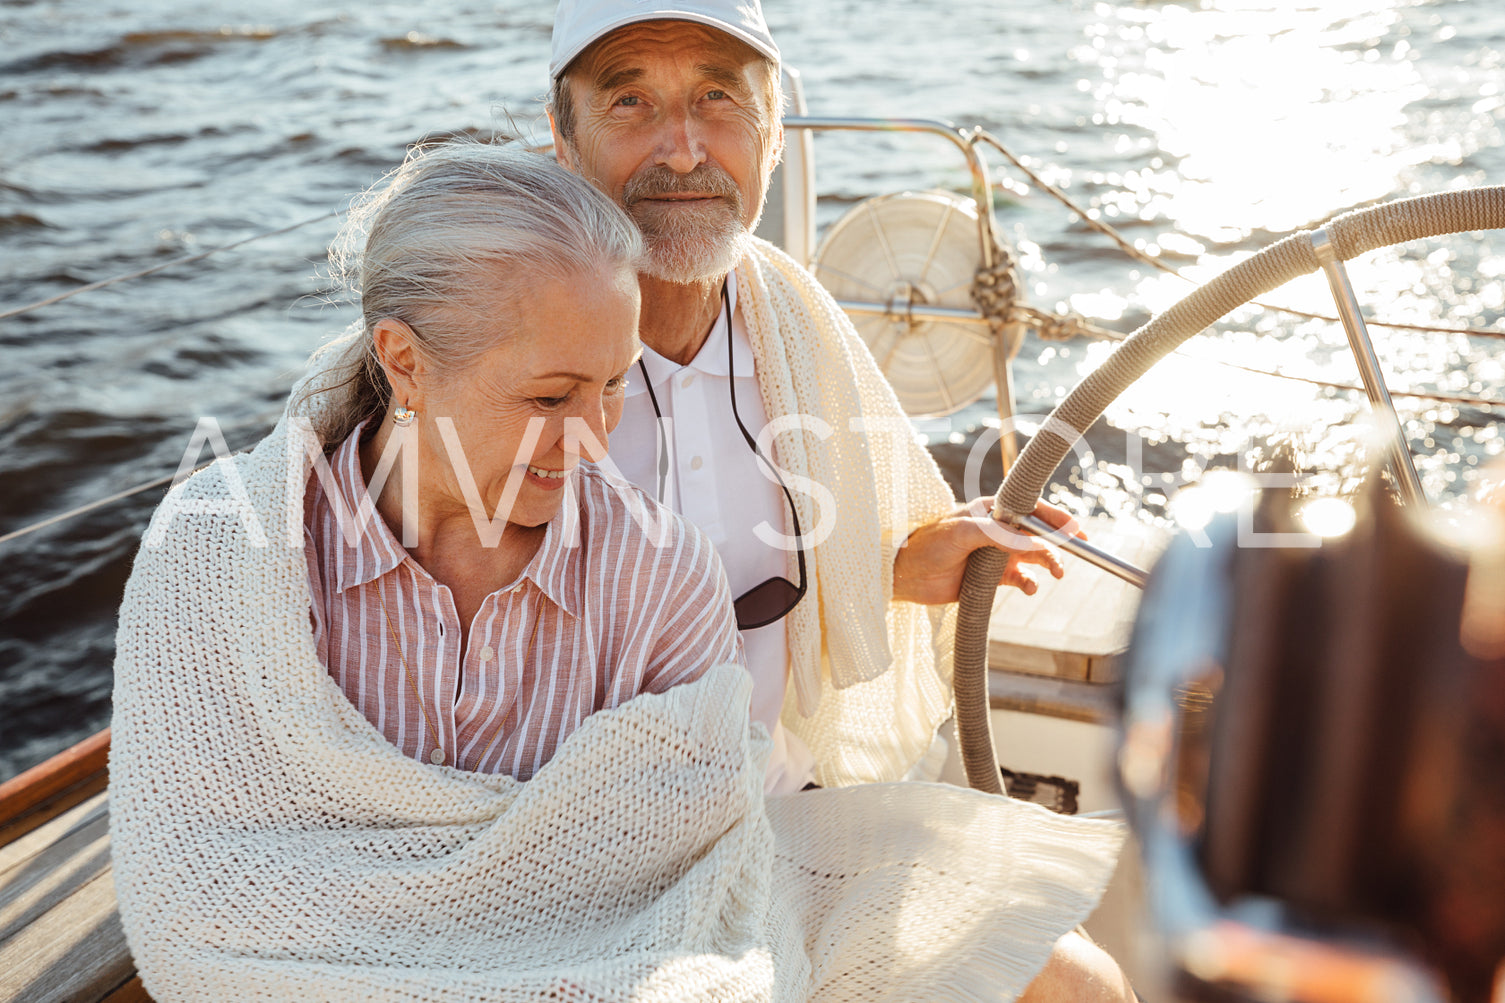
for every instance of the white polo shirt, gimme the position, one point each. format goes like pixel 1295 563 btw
pixel 717 483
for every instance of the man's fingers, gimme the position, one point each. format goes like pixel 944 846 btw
pixel 1054 516
pixel 1046 559
pixel 985 530
pixel 1016 576
pixel 1059 519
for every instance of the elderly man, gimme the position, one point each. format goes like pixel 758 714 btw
pixel 676 116
pixel 758 407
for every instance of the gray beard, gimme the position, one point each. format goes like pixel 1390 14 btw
pixel 688 247
pixel 687 251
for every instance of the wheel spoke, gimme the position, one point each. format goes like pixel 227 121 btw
pixel 850 278
pixel 888 339
pixel 887 248
pixel 940 379
pixel 935 241
pixel 941 294
pixel 972 331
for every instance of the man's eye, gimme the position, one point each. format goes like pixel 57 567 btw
pixel 715 95
pixel 617 385
pixel 550 401
pixel 628 101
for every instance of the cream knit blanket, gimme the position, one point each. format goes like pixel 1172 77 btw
pixel 269 844
pixel 870 678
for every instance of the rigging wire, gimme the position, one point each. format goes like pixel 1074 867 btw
pixel 100 503
pixel 1139 255
pixel 185 260
pixel 1088 329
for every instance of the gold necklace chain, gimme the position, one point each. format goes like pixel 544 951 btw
pixel 437 755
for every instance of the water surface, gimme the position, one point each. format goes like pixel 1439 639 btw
pixel 136 133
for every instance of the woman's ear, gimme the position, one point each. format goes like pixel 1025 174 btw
pixel 397 351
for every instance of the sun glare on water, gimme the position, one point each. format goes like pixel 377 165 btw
pixel 1279 113
pixel 1266 117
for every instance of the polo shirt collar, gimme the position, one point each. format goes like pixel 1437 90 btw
pixel 710 360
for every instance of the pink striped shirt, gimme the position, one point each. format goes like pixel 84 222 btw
pixel 582 629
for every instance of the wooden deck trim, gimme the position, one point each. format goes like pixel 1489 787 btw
pixel 60 934
pixel 56 887
pixel 130 991
pixel 51 788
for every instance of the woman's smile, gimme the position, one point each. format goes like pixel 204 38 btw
pixel 549 480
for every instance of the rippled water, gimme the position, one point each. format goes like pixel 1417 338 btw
pixel 136 133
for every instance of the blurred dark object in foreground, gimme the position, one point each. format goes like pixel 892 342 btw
pixel 1314 754
pixel 1058 794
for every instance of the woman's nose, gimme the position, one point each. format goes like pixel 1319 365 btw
pixel 585 434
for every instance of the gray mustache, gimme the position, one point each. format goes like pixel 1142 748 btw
pixel 653 181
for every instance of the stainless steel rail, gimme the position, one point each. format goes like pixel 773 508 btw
pixel 1362 347
pixel 982 182
pixel 966 141
pixel 909 311
pixel 1077 547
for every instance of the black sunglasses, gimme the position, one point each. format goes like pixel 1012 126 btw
pixel 773 599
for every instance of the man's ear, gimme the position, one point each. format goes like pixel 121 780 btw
pixel 401 360
pixel 561 148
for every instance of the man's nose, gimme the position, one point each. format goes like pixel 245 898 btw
pixel 681 144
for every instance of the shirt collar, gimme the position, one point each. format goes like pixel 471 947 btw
pixel 711 359
pixel 554 568
pixel 375 550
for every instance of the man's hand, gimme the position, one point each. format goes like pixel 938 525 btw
pixel 930 566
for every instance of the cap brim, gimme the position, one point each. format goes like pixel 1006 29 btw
pixel 764 46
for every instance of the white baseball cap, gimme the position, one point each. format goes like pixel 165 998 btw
pixel 578 23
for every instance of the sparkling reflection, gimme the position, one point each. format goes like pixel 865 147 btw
pixel 1235 121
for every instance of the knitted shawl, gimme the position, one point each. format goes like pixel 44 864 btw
pixel 870 678
pixel 269 843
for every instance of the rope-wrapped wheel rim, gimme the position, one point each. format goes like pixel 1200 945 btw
pixel 1351 234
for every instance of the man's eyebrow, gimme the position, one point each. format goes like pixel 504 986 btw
pixel 722 75
pixel 618 78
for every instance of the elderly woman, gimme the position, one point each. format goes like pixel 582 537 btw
pixel 500 321
pixel 415 702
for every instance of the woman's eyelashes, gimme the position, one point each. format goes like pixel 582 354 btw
pixel 612 387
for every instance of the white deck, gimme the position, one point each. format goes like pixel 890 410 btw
pixel 1074 627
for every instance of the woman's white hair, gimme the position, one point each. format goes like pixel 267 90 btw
pixel 417 242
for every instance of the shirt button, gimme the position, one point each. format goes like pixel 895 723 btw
pixel 689 378
pixel 437 757
pixel 487 653
pixel 696 463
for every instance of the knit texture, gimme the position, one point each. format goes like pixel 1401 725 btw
pixel 269 843
pixel 870 677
